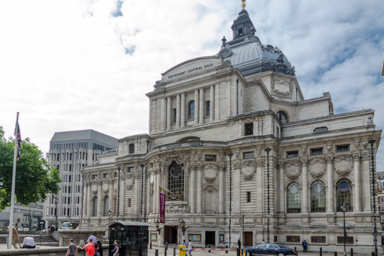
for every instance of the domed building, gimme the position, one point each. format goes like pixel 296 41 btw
pixel 239 153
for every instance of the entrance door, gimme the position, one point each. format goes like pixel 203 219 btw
pixel 170 234
pixel 210 238
pixel 248 238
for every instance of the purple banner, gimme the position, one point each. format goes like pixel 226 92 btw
pixel 162 204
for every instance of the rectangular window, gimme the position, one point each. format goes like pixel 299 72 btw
pixel 293 239
pixel 174 115
pixel 248 197
pixel 208 108
pixel 382 218
pixel 382 209
pixel 70 156
pixel 343 148
pixel 210 158
pixel 318 239
pixel 94 176
pixel 70 178
pixel 129 202
pixel 131 169
pixel 381 199
pixel 69 189
pixel 275 239
pixel 131 148
pixel 70 167
pixel 292 154
pixel 349 240
pixel 316 151
pixel 248 129
pixel 247 155
pixel 106 175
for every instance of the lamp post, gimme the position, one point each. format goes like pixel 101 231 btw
pixel 56 212
pixel 267 150
pixel 372 141
pixel 141 195
pixel 182 225
pixel 118 192
pixel 109 215
pixel 343 208
pixel 230 154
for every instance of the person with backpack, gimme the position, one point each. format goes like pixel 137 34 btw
pixel 116 249
pixel 99 248
pixel 89 248
pixel 305 244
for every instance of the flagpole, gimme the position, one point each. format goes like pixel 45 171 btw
pixel 13 185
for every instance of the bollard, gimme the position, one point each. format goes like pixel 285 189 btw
pixel 335 253
pixel 166 245
pixel 351 251
pixel 165 250
pixel 242 252
pixel 140 250
pixel 321 251
pixel 372 253
pixel 150 245
pixel 174 251
pixel 156 252
pixel 226 251
pixel 209 246
pixel 238 251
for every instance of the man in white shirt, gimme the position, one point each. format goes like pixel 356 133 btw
pixel 190 245
pixel 93 238
pixel 29 242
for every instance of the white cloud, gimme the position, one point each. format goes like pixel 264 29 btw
pixel 63 64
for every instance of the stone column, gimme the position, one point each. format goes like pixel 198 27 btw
pixel 282 187
pixel 169 115
pixel 99 199
pixel 84 199
pixel 163 114
pixel 192 189
pixel 236 188
pixel 155 195
pixel 330 192
pixel 221 190
pixel 110 194
pixel 260 184
pixel 199 198
pixel 136 193
pixel 212 103
pixel 182 110
pixel 304 162
pixel 366 182
pixel 157 191
pixel 177 110
pixel 147 195
pixel 356 171
pixel 217 99
pixel 201 104
pixel 196 121
pixel 122 194
pixel 89 200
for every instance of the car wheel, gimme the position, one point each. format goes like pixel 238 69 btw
pixel 281 254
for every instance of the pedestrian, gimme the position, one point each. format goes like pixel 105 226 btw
pixel 190 245
pixel 99 248
pixel 89 248
pixel 263 242
pixel 116 248
pixel 29 242
pixel 239 243
pixel 52 228
pixel 305 245
pixel 94 239
pixel 184 243
pixel 15 237
pixel 72 249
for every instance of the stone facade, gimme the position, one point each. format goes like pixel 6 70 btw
pixel 205 108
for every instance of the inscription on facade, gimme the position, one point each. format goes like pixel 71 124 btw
pixel 191 70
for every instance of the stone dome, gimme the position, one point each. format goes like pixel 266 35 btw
pixel 247 54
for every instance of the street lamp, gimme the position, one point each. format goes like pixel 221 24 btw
pixel 109 214
pixel 344 209
pixel 157 225
pixel 118 192
pixel 230 154
pixel 56 212
pixel 182 225
pixel 142 186
pixel 267 150
pixel 372 141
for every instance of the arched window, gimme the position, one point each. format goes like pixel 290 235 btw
pixel 320 129
pixel 318 197
pixel 191 110
pixel 176 182
pixel 294 202
pixel 344 195
pixel 282 116
pixel 106 205
pixel 95 206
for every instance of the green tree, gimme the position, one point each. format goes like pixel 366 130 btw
pixel 34 178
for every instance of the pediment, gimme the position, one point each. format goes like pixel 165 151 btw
pixel 191 67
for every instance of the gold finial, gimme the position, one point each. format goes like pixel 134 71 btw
pixel 243 4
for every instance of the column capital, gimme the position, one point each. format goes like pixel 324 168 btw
pixel 281 163
pixel 304 160
pixel 329 158
pixel 356 156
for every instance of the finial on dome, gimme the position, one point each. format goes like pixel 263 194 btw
pixel 243 4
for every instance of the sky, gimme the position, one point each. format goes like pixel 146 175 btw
pixel 87 64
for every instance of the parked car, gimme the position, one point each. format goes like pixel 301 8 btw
pixel 270 249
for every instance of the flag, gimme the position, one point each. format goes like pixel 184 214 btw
pixel 162 204
pixel 18 138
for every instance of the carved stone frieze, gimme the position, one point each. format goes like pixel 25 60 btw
pixel 236 164
pixel 281 86
pixel 210 172
pixel 129 184
pixel 356 145
pixel 365 156
pixel 343 165
pixel 94 187
pixel 105 186
pixel 280 153
pixel 210 187
pixel 292 169
pixel 304 151
pixel 317 167
pixel 329 148
pixel 248 169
